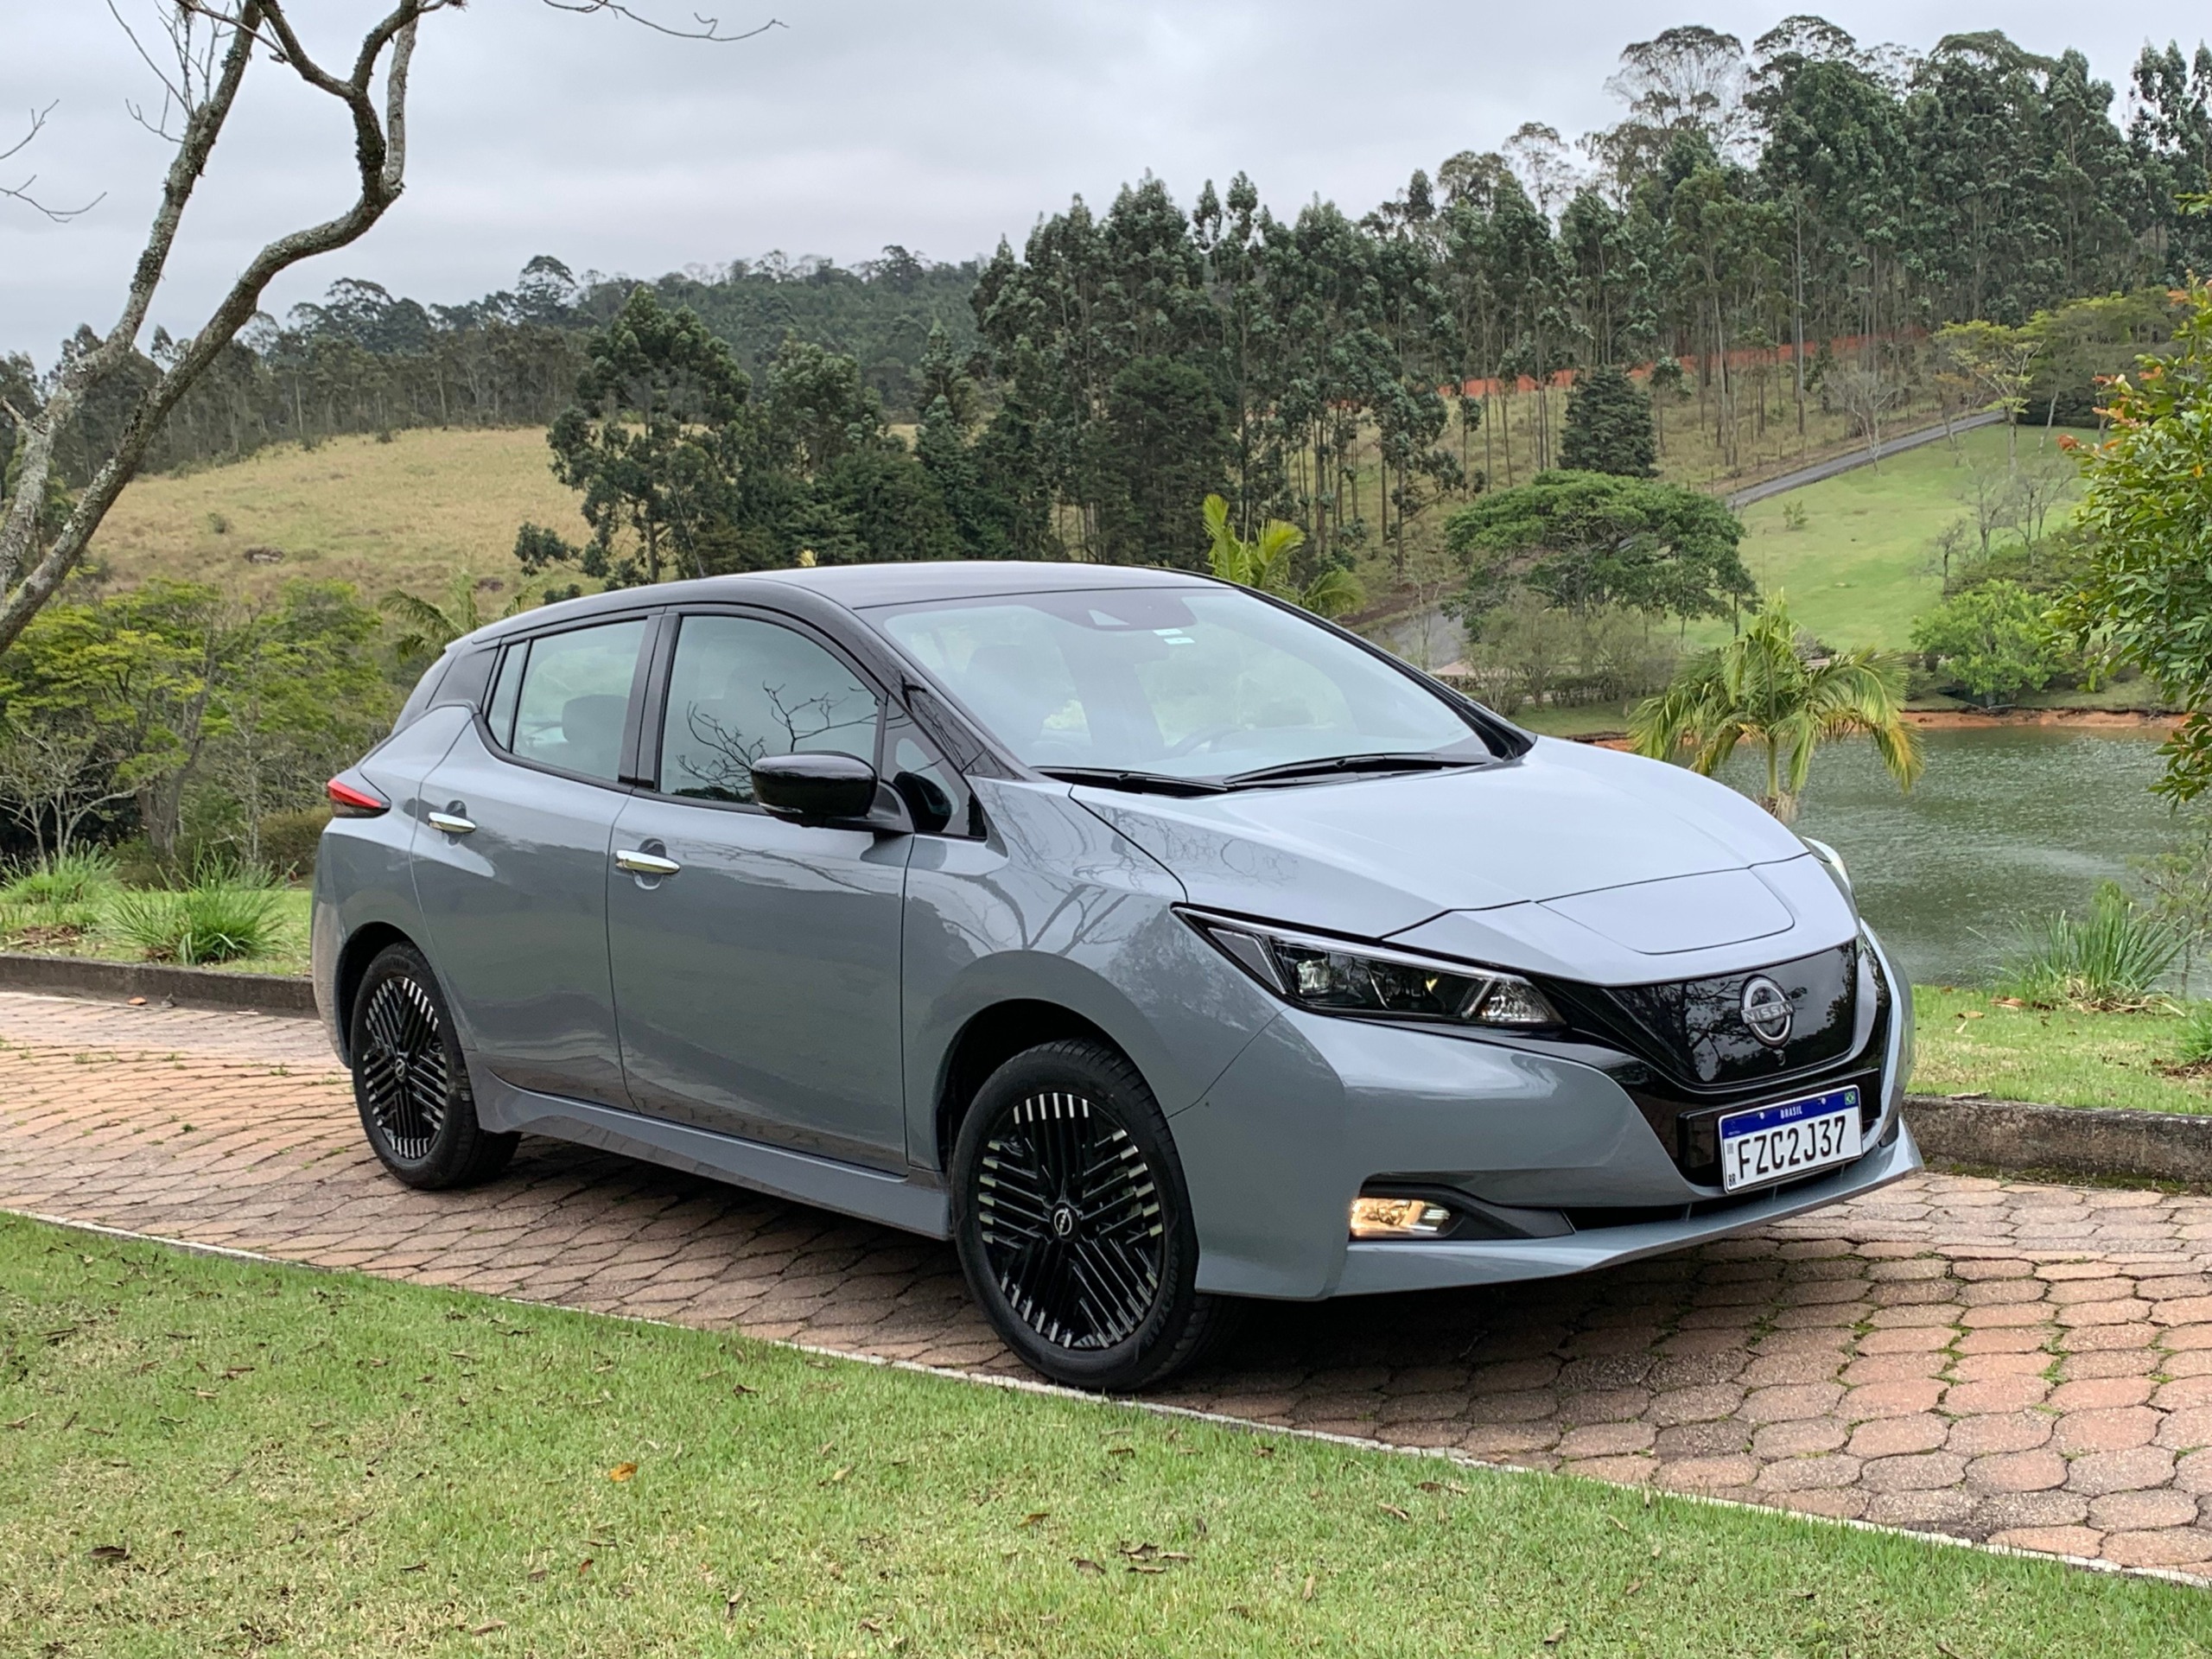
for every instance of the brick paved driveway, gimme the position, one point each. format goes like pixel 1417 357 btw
pixel 2027 1363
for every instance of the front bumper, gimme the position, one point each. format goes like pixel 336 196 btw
pixel 1317 1107
pixel 1370 1269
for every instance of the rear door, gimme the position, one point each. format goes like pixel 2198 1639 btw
pixel 511 860
pixel 756 962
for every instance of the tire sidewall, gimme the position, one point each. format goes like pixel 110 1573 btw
pixel 450 1150
pixel 1110 1084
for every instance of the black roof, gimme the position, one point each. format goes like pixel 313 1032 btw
pixel 859 586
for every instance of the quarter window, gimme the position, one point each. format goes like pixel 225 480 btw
pixel 570 697
pixel 741 688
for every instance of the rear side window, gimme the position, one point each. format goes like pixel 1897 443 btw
pixel 741 688
pixel 569 697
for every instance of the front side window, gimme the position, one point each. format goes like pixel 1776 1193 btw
pixel 1188 683
pixel 569 698
pixel 741 688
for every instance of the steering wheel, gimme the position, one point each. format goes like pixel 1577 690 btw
pixel 1197 740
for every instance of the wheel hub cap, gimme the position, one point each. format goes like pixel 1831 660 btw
pixel 403 1068
pixel 1071 1222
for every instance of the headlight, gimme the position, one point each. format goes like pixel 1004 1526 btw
pixel 1335 978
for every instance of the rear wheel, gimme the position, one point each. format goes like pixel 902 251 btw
pixel 410 1082
pixel 1072 1222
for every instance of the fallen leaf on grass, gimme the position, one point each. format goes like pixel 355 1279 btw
pixel 21 1422
pixel 584 1565
pixel 1263 1451
pixel 1394 1510
pixel 1307 1594
pixel 1556 1637
pixel 487 1627
pixel 1634 1585
pixel 1455 1487
pixel 738 1391
pixel 537 1574
pixel 837 1478
pixel 109 1553
pixel 1033 1517
pixel 419 1567
pixel 729 1606
pixel 1084 1564
pixel 622 1472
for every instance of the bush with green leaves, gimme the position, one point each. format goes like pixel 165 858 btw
pixel 2194 1047
pixel 71 878
pixel 2118 955
pixel 1992 642
pixel 217 918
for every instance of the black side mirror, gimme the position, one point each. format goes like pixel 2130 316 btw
pixel 814 788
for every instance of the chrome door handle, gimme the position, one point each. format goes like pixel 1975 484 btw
pixel 643 863
pixel 452 823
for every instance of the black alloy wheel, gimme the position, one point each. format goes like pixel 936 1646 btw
pixel 410 1083
pixel 1072 1222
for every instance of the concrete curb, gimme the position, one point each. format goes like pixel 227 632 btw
pixel 2014 1134
pixel 187 988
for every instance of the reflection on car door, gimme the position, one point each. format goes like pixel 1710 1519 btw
pixel 757 979
pixel 510 863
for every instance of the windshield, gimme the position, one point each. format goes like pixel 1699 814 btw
pixel 1180 682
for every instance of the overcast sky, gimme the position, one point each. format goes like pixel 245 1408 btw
pixel 940 127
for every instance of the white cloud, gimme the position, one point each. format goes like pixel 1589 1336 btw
pixel 940 127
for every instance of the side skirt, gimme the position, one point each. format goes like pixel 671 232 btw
pixel 914 1204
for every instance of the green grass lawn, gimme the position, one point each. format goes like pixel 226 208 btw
pixel 203 1456
pixel 1864 566
pixel 88 929
pixel 1970 1043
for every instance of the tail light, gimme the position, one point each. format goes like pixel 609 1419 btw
pixel 350 801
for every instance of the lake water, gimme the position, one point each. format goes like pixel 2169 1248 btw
pixel 2007 824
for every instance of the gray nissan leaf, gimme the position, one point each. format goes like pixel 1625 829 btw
pixel 1158 945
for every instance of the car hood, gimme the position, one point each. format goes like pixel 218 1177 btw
pixel 1625 867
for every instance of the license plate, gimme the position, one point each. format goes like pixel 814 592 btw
pixel 1769 1143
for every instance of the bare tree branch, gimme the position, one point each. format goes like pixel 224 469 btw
pixel 211 67
pixel 709 28
pixel 22 191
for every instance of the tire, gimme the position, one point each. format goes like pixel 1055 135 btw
pixel 411 1083
pixel 1091 1281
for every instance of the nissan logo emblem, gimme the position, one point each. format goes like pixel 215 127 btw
pixel 1767 1011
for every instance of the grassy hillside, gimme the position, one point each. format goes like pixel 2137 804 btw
pixel 1864 566
pixel 408 513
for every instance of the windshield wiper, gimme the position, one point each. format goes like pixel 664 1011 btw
pixel 1329 766
pixel 1147 783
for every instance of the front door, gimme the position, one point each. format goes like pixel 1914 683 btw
pixel 756 962
pixel 510 863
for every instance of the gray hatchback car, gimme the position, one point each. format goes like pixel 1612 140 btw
pixel 1159 944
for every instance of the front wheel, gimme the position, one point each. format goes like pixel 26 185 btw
pixel 1072 1222
pixel 410 1083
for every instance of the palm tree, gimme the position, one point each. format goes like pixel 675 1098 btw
pixel 1264 562
pixel 431 628
pixel 1763 687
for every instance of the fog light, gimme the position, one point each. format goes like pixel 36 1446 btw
pixel 1398 1219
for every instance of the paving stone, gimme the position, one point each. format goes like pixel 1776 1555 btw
pixel 1892 1359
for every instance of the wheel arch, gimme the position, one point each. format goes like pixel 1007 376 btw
pixel 363 946
pixel 990 1038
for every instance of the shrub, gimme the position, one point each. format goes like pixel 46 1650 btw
pixel 62 879
pixel 2113 958
pixel 288 841
pixel 213 921
pixel 2196 1046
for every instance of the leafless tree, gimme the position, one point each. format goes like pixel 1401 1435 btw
pixel 1866 395
pixel 200 57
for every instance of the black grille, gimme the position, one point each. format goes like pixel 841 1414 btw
pixel 1694 1059
pixel 1693 1030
